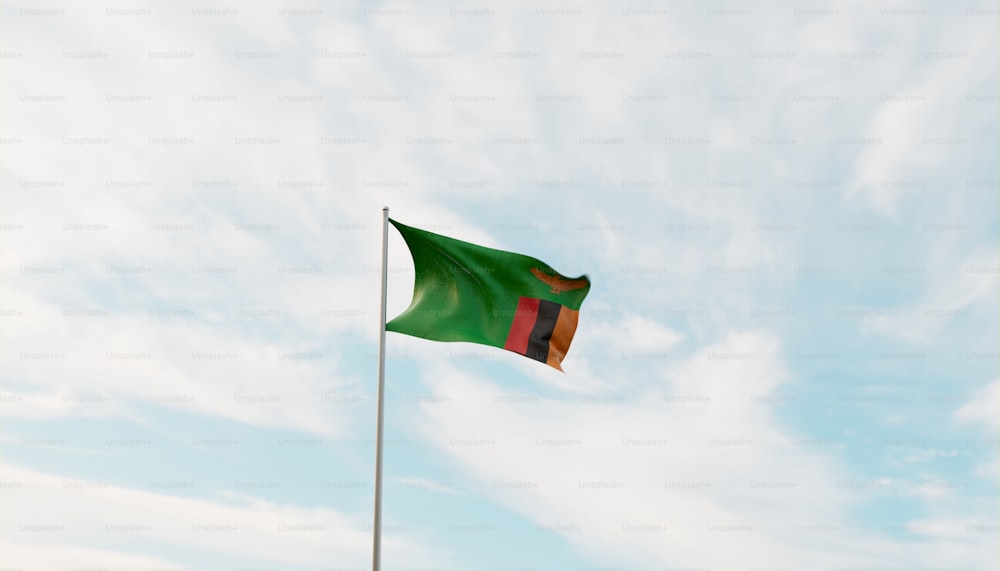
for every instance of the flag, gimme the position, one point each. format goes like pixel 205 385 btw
pixel 465 292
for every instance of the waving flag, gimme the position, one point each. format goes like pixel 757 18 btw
pixel 465 292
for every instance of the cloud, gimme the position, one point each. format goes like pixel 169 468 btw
pixel 918 126
pixel 981 408
pixel 980 411
pixel 59 522
pixel 621 472
pixel 111 364
pixel 954 291
pixel 631 337
pixel 43 555
pixel 662 477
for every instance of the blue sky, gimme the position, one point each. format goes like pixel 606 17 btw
pixel 788 358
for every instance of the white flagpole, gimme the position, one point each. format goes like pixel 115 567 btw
pixel 377 526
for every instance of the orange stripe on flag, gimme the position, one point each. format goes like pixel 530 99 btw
pixel 562 336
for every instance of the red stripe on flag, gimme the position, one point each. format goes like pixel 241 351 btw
pixel 524 322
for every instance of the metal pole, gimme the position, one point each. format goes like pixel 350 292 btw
pixel 377 526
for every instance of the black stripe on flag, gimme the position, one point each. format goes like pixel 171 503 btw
pixel 541 333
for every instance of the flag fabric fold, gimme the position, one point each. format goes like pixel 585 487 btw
pixel 466 292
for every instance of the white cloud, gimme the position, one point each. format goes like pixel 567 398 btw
pixel 44 555
pixel 108 364
pixel 929 104
pixel 981 411
pixel 653 454
pixel 981 408
pixel 956 289
pixel 613 477
pixel 634 334
pixel 59 522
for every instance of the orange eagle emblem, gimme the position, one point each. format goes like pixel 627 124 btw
pixel 557 283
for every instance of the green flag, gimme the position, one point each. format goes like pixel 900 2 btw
pixel 465 292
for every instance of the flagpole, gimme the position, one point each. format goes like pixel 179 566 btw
pixel 377 525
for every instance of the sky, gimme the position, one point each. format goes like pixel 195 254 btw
pixel 788 358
